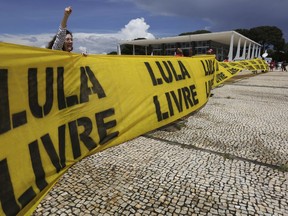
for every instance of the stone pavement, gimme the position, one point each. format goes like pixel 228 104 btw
pixel 230 158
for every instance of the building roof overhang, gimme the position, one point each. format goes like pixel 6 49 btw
pixel 220 37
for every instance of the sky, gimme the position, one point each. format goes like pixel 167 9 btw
pixel 99 25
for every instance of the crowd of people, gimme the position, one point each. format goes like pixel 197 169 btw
pixel 277 65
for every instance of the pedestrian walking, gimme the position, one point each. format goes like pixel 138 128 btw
pixel 283 66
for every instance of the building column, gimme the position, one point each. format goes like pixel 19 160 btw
pixel 238 49
pixel 118 49
pixel 259 52
pixel 256 51
pixel 230 55
pixel 253 52
pixel 244 51
pixel 249 52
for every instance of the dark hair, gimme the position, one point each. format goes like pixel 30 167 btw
pixel 50 44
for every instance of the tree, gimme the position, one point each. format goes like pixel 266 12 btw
pixel 271 39
pixel 267 36
pixel 286 48
pixel 113 53
pixel 245 32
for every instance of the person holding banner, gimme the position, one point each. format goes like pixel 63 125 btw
pixel 226 59
pixel 179 52
pixel 210 51
pixel 63 40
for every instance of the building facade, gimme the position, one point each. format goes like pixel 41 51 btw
pixel 229 44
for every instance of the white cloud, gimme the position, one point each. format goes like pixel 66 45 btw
pixel 105 43
pixel 136 28
pixel 91 42
pixel 39 40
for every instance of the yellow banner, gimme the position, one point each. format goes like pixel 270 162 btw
pixel 225 71
pixel 58 107
pixel 252 65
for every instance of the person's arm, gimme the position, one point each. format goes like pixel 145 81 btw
pixel 61 34
pixel 67 13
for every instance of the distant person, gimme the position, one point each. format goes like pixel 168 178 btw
pixel 190 52
pixel 210 52
pixel 276 65
pixel 283 66
pixel 226 59
pixel 271 65
pixel 179 52
pixel 63 40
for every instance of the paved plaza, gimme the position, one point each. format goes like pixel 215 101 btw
pixel 229 158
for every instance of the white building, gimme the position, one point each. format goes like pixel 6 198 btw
pixel 229 44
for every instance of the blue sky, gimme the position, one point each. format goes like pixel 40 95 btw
pixel 98 25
